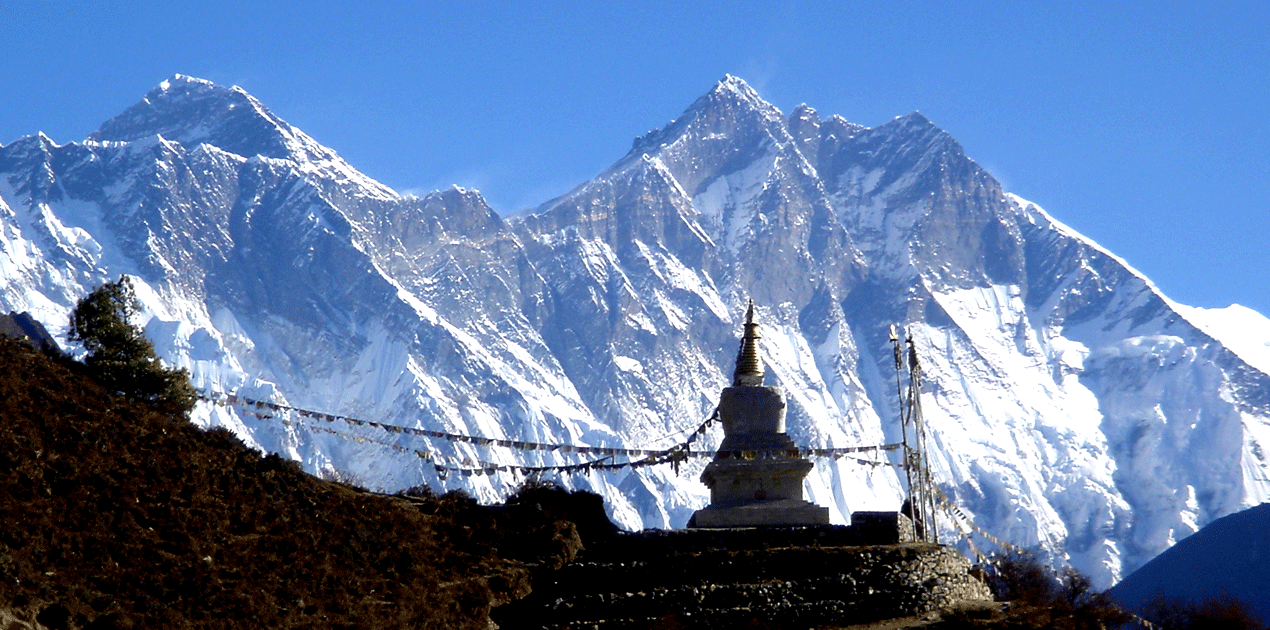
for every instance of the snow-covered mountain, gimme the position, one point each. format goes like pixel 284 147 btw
pixel 1073 407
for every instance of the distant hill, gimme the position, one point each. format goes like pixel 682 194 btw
pixel 115 516
pixel 1229 556
pixel 22 326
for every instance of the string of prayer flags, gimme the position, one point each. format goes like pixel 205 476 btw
pixel 674 455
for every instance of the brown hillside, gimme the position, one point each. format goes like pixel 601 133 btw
pixel 112 515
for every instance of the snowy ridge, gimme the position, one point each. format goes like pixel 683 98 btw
pixel 1241 329
pixel 1073 407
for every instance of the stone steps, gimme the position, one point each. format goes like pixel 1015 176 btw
pixel 803 615
pixel 721 606
pixel 723 567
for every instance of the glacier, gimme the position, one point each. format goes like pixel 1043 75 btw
pixel 1072 407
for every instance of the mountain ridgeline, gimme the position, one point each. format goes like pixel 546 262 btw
pixel 1072 406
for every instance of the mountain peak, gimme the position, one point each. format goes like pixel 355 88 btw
pixel 803 117
pixel 729 97
pixel 916 129
pixel 736 85
pixel 729 110
pixel 914 122
pixel 914 118
pixel 732 89
pixel 193 111
pixel 181 79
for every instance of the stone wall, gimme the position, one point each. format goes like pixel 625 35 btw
pixel 795 577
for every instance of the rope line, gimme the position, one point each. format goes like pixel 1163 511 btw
pixel 465 466
pixel 445 465
pixel 246 402
pixel 957 514
pixel 836 453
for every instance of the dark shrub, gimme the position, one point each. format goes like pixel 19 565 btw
pixel 1020 576
pixel 1222 612
pixel 120 358
pixel 550 502
pixel 1042 598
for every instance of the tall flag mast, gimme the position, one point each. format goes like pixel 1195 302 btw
pixel 920 506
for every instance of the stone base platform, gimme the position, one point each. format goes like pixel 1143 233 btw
pixel 761 514
pixel 797 577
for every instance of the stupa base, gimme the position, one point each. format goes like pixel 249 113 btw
pixel 761 514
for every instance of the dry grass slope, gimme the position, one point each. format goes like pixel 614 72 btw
pixel 117 516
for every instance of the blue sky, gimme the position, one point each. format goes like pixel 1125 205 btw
pixel 1145 126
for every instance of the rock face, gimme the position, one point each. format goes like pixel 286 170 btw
pixel 757 477
pixel 1072 406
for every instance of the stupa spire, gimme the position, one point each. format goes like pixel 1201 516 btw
pixel 749 367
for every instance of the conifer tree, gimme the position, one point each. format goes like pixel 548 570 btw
pixel 119 357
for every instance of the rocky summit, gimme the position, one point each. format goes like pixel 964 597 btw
pixel 1072 406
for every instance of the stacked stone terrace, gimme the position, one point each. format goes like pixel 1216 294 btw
pixel 735 578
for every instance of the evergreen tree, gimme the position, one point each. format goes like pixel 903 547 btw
pixel 119 357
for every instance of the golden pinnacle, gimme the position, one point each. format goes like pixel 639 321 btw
pixel 749 367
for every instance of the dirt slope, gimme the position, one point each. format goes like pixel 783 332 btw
pixel 112 515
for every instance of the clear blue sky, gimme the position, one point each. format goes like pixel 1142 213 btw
pixel 1144 125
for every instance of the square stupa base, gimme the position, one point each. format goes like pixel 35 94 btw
pixel 761 514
